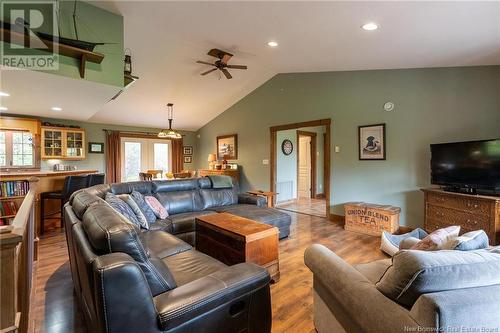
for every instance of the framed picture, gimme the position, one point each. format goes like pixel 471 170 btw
pixel 188 159
pixel 187 150
pixel 232 166
pixel 227 145
pixel 371 141
pixel 96 147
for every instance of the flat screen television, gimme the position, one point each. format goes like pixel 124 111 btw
pixel 469 166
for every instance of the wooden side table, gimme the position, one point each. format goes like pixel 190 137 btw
pixel 267 194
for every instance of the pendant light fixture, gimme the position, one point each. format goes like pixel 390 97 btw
pixel 170 133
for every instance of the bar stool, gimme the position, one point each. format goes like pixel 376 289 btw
pixel 95 179
pixel 71 184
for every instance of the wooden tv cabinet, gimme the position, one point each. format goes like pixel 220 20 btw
pixel 470 212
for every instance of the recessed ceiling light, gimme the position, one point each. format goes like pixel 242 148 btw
pixel 4 94
pixel 272 43
pixel 3 108
pixel 369 26
pixel 56 108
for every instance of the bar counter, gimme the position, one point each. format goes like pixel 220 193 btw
pixel 47 181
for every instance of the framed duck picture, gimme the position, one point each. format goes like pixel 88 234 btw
pixel 371 141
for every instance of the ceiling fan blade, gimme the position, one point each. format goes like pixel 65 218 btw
pixel 226 73
pixel 226 58
pixel 204 63
pixel 209 71
pixel 237 66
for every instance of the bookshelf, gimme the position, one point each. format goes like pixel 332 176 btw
pixel 11 195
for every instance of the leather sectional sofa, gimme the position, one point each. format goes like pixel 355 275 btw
pixel 132 280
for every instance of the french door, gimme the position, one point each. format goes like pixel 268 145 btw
pixel 139 155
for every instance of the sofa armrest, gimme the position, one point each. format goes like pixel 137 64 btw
pixel 348 294
pixel 245 198
pixel 124 300
pixel 223 294
pixel 470 309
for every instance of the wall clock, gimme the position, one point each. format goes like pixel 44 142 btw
pixel 287 147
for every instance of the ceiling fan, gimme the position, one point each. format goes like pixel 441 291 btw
pixel 220 64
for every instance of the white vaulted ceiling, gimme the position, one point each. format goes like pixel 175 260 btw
pixel 166 38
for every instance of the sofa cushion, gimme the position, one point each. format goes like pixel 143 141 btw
pixel 191 265
pixel 390 243
pixel 127 198
pixel 185 222
pixel 164 225
pixel 218 197
pixel 83 200
pixel 121 207
pixel 374 270
pixel 413 273
pixel 156 207
pixel 175 185
pixel 473 240
pixel 110 232
pixel 149 214
pixel 162 244
pixel 129 187
pixel 265 215
pixel 180 201
pixel 437 239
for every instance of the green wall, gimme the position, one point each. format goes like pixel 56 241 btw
pixel 432 105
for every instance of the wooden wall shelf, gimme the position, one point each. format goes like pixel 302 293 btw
pixel 73 52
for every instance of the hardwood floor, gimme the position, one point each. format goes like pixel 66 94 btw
pixel 55 310
pixel 310 206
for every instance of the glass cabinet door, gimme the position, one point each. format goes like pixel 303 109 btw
pixel 52 143
pixel 74 144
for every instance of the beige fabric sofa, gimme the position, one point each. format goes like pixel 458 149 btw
pixel 347 300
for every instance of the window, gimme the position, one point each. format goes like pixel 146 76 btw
pixel 16 149
pixel 140 155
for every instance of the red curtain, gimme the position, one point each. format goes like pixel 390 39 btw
pixel 113 158
pixel 177 160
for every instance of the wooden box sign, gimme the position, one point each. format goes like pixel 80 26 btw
pixel 371 219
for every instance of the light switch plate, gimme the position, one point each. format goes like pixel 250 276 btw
pixel 337 149
pixel 265 162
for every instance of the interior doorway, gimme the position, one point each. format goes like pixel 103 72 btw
pixel 306 166
pixel 300 167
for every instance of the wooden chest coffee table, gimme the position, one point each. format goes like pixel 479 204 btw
pixel 233 239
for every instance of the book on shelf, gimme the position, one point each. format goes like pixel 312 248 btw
pixel 14 188
pixel 8 208
pixel 6 220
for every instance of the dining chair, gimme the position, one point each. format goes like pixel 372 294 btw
pixel 156 173
pixel 145 176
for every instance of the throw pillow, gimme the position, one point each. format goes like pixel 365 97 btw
pixel 414 273
pixel 156 206
pixel 149 214
pixel 437 239
pixel 135 208
pixel 121 207
pixel 473 240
